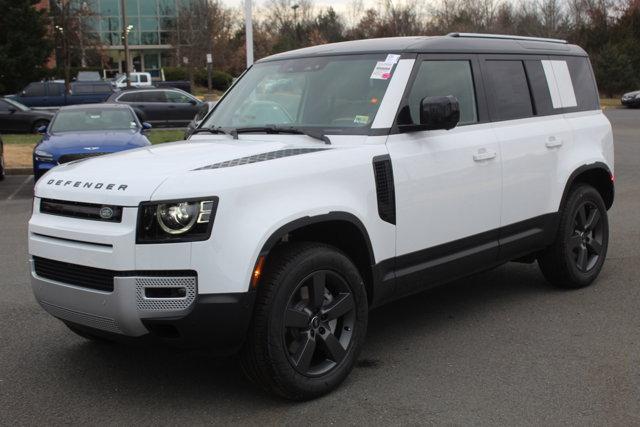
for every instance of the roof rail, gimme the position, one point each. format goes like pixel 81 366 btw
pixel 506 37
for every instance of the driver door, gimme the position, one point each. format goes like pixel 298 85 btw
pixel 447 183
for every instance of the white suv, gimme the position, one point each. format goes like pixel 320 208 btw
pixel 328 181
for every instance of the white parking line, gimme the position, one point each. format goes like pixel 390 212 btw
pixel 17 190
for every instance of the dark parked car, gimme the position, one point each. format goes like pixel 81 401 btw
pixel 15 117
pixel 81 131
pixel 53 94
pixel 1 160
pixel 161 107
pixel 631 99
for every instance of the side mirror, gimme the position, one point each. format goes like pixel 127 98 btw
pixel 146 126
pixel 439 112
pixel 42 129
pixel 193 102
pixel 12 110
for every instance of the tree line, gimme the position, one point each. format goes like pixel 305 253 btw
pixel 609 30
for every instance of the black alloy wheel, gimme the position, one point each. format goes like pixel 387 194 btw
pixel 586 241
pixel 579 250
pixel 318 323
pixel 309 321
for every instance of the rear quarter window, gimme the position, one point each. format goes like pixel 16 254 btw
pixel 584 84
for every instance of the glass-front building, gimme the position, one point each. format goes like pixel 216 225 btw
pixel 151 36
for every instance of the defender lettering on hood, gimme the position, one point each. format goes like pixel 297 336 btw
pixel 86 184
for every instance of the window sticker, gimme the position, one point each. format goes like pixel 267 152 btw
pixel 361 120
pixel 382 71
pixel 392 58
pixel 560 84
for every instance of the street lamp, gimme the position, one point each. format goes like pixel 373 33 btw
pixel 248 27
pixel 125 36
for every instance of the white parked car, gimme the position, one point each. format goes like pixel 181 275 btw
pixel 137 80
pixel 327 181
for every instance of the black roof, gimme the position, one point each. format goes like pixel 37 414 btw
pixel 452 43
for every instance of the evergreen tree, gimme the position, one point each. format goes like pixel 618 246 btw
pixel 24 46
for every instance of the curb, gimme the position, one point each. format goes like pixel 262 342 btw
pixel 19 171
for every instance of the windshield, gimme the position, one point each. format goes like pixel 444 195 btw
pixel 337 94
pixel 16 104
pixel 91 119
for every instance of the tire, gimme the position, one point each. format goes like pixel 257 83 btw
pixel 575 258
pixel 37 124
pixel 309 322
pixel 2 172
pixel 86 335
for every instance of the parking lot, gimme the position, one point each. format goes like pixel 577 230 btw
pixel 502 347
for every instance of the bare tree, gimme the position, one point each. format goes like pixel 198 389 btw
pixel 72 33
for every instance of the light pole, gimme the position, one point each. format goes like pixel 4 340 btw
pixel 248 28
pixel 125 40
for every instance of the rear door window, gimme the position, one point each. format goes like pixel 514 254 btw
pixel 507 90
pixel 177 97
pixel 444 78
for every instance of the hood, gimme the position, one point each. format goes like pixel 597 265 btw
pixel 132 176
pixel 631 94
pixel 79 140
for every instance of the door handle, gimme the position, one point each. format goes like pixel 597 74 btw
pixel 553 142
pixel 483 154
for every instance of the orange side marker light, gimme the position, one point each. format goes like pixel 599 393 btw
pixel 257 272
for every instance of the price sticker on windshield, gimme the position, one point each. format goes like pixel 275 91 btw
pixel 382 71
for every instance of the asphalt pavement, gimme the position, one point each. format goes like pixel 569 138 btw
pixel 501 347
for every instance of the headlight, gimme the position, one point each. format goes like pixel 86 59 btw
pixel 43 156
pixel 176 220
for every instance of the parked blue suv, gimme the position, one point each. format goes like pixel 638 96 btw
pixel 81 131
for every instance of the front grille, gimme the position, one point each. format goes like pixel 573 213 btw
pixel 81 210
pixel 66 158
pixel 72 274
pixel 94 278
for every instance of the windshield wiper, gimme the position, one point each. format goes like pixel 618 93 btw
pixel 278 129
pixel 216 130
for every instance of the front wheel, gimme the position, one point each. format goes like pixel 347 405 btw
pixel 309 323
pixel 575 258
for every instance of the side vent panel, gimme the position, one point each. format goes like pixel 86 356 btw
pixel 385 190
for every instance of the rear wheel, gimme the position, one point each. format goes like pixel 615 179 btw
pixel 2 172
pixel 576 257
pixel 309 323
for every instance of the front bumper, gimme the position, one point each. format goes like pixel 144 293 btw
pixel 219 321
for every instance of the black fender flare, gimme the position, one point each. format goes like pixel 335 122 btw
pixel 299 223
pixel 579 171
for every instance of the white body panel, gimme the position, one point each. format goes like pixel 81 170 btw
pixel 442 193
pixel 532 150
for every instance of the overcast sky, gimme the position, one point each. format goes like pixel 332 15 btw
pixel 338 5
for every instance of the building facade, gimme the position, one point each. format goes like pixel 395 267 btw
pixel 151 35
